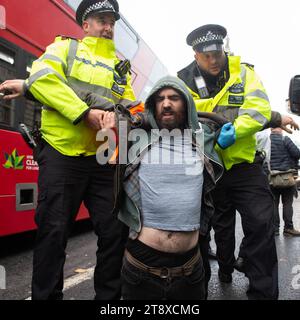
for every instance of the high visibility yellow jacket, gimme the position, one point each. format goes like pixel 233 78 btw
pixel 68 70
pixel 243 101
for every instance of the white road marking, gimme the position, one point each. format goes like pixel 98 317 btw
pixel 77 279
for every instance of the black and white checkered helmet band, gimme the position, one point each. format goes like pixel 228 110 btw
pixel 105 5
pixel 209 37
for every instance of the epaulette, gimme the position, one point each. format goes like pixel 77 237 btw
pixel 251 66
pixel 63 37
pixel 123 67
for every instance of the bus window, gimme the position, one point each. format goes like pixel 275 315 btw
pixel 73 3
pixel 7 56
pixel 32 112
pixel 125 39
pixel 158 71
pixel 7 71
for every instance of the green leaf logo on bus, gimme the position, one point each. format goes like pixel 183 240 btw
pixel 14 161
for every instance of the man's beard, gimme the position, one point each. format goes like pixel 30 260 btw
pixel 107 35
pixel 178 121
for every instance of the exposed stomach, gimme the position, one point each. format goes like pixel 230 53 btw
pixel 169 241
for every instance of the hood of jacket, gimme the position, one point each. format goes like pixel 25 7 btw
pixel 193 124
pixel 179 85
pixel 129 210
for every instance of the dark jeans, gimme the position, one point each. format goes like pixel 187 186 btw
pixel 64 182
pixel 138 284
pixel 245 188
pixel 287 197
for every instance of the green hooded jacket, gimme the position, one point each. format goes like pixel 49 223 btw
pixel 128 198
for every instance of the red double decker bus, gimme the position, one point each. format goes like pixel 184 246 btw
pixel 26 28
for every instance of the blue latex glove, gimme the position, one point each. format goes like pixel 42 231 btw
pixel 227 136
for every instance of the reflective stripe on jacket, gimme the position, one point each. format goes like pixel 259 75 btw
pixel 243 101
pixel 67 71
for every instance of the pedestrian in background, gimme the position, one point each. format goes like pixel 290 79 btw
pixel 284 156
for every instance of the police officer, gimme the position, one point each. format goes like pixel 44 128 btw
pixel 69 172
pixel 221 83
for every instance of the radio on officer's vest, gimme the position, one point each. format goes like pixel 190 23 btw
pixel 201 86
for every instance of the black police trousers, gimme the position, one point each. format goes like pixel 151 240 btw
pixel 245 188
pixel 64 182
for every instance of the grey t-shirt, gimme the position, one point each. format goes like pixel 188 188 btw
pixel 171 182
